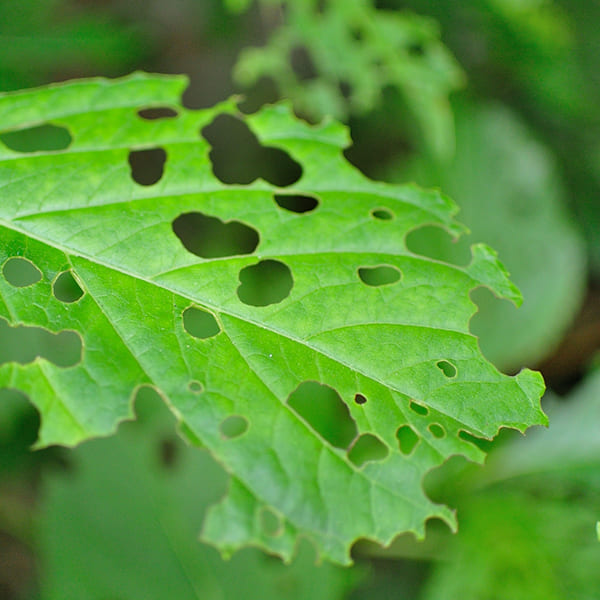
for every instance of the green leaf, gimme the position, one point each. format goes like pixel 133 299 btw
pixel 40 37
pixel 122 524
pixel 387 358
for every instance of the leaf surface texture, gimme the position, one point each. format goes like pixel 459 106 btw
pixel 234 333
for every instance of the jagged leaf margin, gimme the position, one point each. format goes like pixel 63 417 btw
pixel 79 209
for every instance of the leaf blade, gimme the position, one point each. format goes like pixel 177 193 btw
pixel 79 209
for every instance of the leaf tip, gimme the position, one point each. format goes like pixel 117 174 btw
pixel 533 386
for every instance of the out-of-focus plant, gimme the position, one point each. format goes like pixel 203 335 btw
pixel 541 57
pixel 337 57
pixel 45 38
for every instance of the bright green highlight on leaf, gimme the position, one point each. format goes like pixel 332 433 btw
pixel 79 210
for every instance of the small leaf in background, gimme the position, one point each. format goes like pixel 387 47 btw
pixel 336 58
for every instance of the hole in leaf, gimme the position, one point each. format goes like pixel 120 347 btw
pixel 238 156
pixel 270 522
pixel 157 112
pixel 296 203
pixel 447 368
pixel 200 323
pixel 23 344
pixel 42 138
pixel 381 275
pixel 21 272
pixel 439 482
pixel 435 242
pixel 66 289
pixel 209 237
pixel 168 452
pixel 407 439
pixel 233 427
pixel 419 408
pixel 323 409
pixel 195 387
pixel 267 282
pixel 367 448
pixel 437 430
pixel 360 399
pixel 302 64
pixel 147 166
pixel 383 214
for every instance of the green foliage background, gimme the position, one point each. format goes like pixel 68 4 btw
pixel 526 171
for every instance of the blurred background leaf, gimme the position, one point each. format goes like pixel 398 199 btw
pixel 528 519
pixel 118 526
pixel 42 39
pixel 526 174
pixel 511 195
pixel 336 58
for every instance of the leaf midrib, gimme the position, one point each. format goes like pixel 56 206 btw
pixel 243 318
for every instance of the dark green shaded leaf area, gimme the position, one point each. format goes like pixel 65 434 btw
pixel 131 506
pixel 290 308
